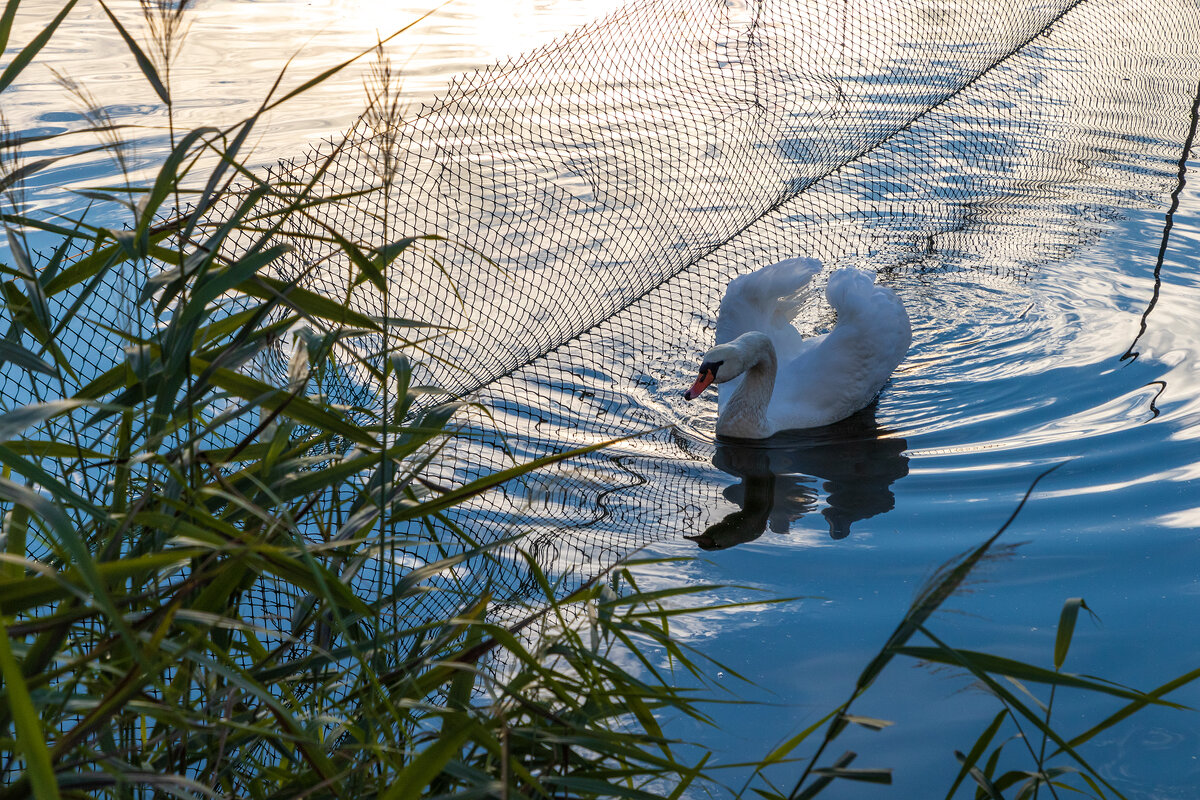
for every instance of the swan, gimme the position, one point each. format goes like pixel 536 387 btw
pixel 777 380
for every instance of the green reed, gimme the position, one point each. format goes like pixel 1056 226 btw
pixel 146 503
pixel 1028 716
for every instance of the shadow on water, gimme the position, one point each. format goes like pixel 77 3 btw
pixel 853 462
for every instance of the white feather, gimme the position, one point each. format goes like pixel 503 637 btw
pixel 773 379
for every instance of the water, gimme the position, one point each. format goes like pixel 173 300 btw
pixel 233 52
pixel 983 405
pixel 1075 344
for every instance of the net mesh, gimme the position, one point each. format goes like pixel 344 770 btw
pixel 587 203
pixel 573 182
pixel 596 196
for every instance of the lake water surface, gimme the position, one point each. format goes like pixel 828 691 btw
pixel 1057 324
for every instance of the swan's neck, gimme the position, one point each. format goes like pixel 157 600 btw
pixel 744 414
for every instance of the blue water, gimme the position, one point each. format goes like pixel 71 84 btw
pixel 1090 362
pixel 982 407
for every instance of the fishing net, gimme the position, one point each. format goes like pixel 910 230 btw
pixel 596 196
pixel 587 203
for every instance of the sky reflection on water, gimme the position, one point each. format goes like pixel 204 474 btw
pixel 1024 305
pixel 233 52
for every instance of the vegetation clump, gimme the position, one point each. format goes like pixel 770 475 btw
pixel 196 536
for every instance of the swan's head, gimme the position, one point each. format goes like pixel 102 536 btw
pixel 727 361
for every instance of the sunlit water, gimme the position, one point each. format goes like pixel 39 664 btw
pixel 232 53
pixel 1091 364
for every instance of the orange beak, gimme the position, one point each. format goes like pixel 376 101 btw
pixel 706 377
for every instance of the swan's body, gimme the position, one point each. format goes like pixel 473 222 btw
pixel 774 378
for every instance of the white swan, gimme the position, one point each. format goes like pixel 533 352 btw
pixel 777 379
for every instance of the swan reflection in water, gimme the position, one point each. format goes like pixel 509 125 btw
pixel 852 462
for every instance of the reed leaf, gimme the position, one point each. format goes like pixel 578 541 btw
pixel 977 749
pixel 6 22
pixel 823 779
pixel 144 64
pixel 1066 629
pixel 30 51
pixel 13 353
pixel 1017 707
pixel 17 420
pixel 30 738
pixel 166 184
pixel 327 74
pixel 882 776
pixel 96 261
pixel 1020 670
pixel 298 408
pixel 1133 707
pixel 989 789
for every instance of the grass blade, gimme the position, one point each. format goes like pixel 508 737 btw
pixel 30 50
pixel 30 740
pixel 144 63
pixel 972 758
pixel 1066 628
pixel 6 22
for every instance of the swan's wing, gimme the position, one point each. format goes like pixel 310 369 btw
pixel 874 312
pixel 767 300
pixel 850 291
pixel 838 373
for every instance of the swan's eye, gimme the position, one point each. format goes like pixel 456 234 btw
pixel 710 366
